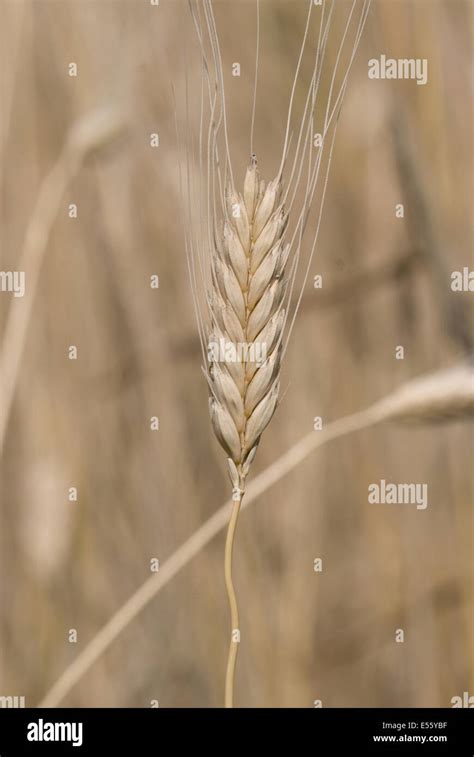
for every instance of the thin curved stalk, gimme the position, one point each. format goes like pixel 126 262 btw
pixel 234 609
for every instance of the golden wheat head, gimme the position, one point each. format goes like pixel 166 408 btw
pixel 247 318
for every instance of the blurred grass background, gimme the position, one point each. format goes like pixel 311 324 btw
pixel 86 423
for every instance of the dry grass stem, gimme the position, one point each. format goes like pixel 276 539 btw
pixel 91 133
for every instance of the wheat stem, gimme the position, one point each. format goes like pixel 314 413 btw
pixel 234 609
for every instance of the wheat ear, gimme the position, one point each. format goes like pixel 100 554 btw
pixel 246 326
pixel 239 269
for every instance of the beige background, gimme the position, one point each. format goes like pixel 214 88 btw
pixel 305 636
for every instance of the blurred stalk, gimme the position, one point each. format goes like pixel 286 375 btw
pixel 424 231
pixel 89 134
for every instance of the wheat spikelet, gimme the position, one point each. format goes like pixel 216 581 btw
pixel 247 319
